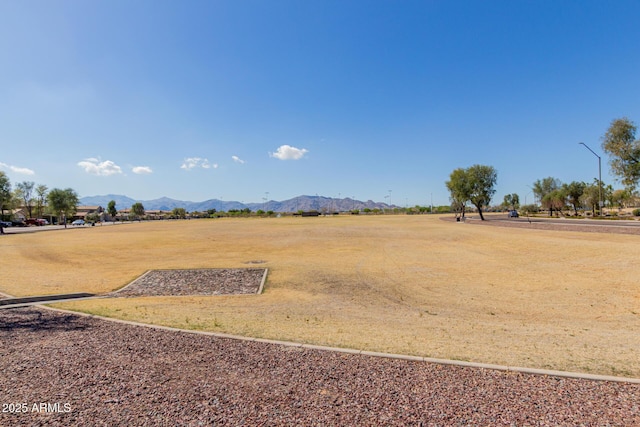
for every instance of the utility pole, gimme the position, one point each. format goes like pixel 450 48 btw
pixel 600 200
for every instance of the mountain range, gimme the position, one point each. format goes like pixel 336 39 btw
pixel 303 203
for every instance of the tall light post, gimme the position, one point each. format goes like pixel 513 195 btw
pixel 600 201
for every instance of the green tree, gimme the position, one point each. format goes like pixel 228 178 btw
pixel 607 194
pixel 24 191
pixel 41 193
pixel 555 200
pixel 111 209
pixel 179 213
pixel 511 201
pixel 475 184
pixel 545 186
pixel 459 190
pixel 137 210
pixel 5 193
pixel 92 218
pixel 573 192
pixel 63 203
pixel 620 143
pixel 621 198
pixel 591 196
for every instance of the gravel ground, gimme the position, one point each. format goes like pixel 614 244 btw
pixel 88 371
pixel 212 281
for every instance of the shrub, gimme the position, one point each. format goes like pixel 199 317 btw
pixel 636 212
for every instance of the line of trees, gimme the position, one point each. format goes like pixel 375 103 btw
pixel 554 195
pixel 475 185
pixel 620 143
pixel 36 199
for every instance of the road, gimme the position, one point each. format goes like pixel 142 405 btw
pixel 566 221
pixel 34 229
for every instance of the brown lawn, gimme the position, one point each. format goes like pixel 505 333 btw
pixel 401 284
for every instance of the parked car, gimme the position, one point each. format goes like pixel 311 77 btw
pixel 78 222
pixel 513 214
pixel 37 221
pixel 18 223
pixel 5 223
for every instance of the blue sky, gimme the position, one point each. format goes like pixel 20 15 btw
pixel 232 99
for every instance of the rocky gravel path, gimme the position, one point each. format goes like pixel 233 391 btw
pixel 205 281
pixel 61 369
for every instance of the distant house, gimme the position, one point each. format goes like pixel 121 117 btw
pixel 83 211
pixel 17 214
pixel 156 214
pixel 124 214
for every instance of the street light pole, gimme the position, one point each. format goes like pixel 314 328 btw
pixel 600 201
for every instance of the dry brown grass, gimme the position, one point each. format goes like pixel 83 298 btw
pixel 401 284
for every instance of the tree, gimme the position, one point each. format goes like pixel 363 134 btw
pixel 511 201
pixel 137 210
pixel 573 192
pixel 459 190
pixel 620 143
pixel 621 198
pixel 474 184
pixel 483 180
pixel 5 193
pixel 41 192
pixel 555 200
pixel 591 196
pixel 24 191
pixel 545 186
pixel 111 209
pixel 607 194
pixel 63 203
pixel 179 213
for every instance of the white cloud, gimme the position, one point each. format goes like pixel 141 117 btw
pixel 287 152
pixel 237 159
pixel 142 170
pixel 96 167
pixel 17 169
pixel 197 162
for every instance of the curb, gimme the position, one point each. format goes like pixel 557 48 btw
pixel 264 279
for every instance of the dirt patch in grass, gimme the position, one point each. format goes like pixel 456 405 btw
pixel 400 284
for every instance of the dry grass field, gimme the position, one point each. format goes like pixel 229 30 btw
pixel 401 284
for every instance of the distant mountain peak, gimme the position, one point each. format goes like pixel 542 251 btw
pixel 299 203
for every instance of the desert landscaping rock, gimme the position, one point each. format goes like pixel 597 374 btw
pixel 116 374
pixel 215 281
